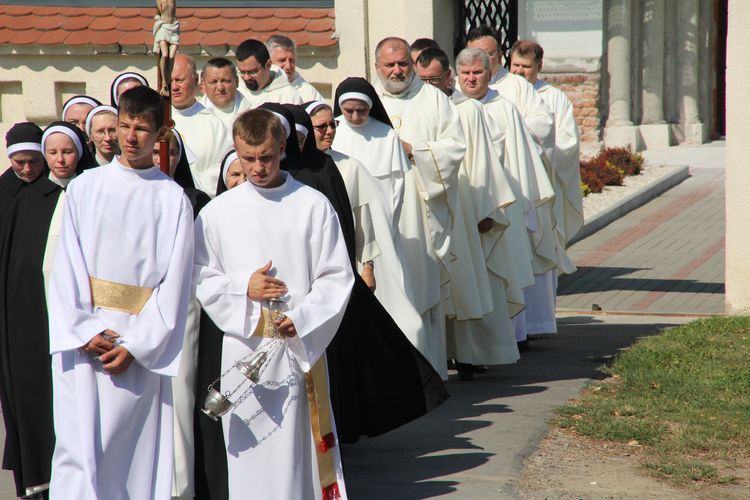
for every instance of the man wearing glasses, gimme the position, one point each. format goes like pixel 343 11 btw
pixel 263 83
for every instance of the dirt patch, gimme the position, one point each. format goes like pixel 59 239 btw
pixel 569 466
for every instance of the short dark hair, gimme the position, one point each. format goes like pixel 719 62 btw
pixel 481 32
pixel 421 44
pixel 253 48
pixel 528 48
pixel 255 125
pixel 218 63
pixel 143 101
pixel 433 54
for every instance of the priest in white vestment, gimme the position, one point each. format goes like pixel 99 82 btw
pixel 516 148
pixel 117 303
pixel 486 196
pixel 283 53
pixel 430 131
pixel 263 82
pixel 526 61
pixel 203 132
pixel 219 83
pixel 537 116
pixel 280 436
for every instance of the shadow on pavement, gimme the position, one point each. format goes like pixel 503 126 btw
pixel 602 279
pixel 418 460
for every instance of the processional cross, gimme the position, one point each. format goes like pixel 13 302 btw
pixel 166 40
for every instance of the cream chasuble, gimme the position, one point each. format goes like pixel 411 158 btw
pixel 227 114
pixel 378 148
pixel 508 129
pixel 514 144
pixel 305 89
pixel 486 192
pixel 278 90
pixel 536 114
pixel 271 452
pixel 424 117
pixel 130 232
pixel 375 233
pixel 207 137
pixel 566 162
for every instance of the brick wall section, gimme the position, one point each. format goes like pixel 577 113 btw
pixel 583 91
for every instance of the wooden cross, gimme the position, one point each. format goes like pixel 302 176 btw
pixel 166 40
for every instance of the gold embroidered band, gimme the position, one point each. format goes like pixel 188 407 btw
pixel 319 401
pixel 118 296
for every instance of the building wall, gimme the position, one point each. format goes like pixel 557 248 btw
pixel 652 60
pixel 36 81
pixel 572 37
pixel 737 174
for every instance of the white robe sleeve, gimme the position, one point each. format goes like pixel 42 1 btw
pixel 69 293
pixel 223 296
pixel 365 246
pixel 155 338
pixel 317 316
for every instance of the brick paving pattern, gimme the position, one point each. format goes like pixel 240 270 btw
pixel 665 257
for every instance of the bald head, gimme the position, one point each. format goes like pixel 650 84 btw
pixel 394 64
pixel 184 81
pixel 391 44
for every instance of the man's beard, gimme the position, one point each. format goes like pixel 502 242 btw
pixel 251 84
pixel 396 86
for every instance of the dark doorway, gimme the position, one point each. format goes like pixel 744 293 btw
pixel 720 66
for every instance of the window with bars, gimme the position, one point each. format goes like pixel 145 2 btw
pixel 502 15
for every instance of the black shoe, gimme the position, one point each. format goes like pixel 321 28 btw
pixel 523 345
pixel 466 371
pixel 481 368
pixel 451 364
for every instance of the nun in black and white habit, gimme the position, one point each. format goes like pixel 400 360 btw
pixel 27 240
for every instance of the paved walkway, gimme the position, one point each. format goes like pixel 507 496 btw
pixel 667 257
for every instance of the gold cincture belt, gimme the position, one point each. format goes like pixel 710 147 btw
pixel 118 296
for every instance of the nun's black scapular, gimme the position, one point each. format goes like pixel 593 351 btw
pixel 362 90
pixel 25 363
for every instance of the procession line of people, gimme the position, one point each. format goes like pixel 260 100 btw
pixel 303 276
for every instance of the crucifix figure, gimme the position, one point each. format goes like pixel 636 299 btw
pixel 166 40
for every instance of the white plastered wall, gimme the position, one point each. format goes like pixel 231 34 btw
pixel 36 80
pixel 737 171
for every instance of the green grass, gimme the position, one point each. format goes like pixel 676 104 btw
pixel 684 395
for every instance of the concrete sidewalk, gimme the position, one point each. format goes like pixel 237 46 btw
pixel 666 257
pixel 474 446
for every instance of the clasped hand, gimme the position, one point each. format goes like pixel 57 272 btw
pixel 115 358
pixel 262 287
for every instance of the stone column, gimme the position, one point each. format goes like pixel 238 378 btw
pixel 688 71
pixel 654 130
pixel 619 130
pixel 737 174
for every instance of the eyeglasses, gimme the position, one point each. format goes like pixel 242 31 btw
pixel 325 126
pixel 434 80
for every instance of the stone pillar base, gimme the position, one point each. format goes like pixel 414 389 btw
pixel 696 133
pixel 623 136
pixel 654 136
